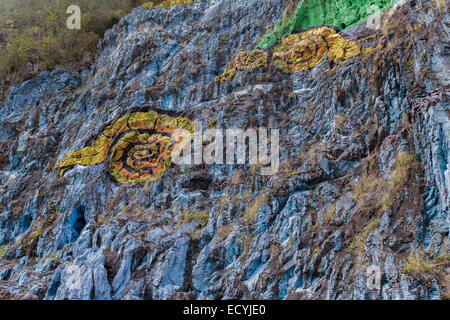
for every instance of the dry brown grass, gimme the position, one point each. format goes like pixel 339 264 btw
pixel 416 264
pixel 365 187
pixel 236 179
pixel 330 213
pixel 360 240
pixel 224 232
pixel 275 250
pixel 253 210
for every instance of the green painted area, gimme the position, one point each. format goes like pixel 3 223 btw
pixel 310 13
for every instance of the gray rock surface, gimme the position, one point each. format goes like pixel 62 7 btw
pixel 364 177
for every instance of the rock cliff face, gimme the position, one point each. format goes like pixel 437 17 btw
pixel 364 121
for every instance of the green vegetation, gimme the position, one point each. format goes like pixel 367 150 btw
pixel 201 217
pixel 34 36
pixel 3 250
pixel 445 296
pixel 212 122
pixel 54 256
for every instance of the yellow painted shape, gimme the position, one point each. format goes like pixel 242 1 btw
pixel 159 164
pixel 298 52
pixel 97 152
pixel 324 41
pixel 129 125
pixel 242 61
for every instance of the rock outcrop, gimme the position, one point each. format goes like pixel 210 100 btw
pixel 364 173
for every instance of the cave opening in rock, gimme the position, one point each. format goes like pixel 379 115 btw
pixel 76 222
